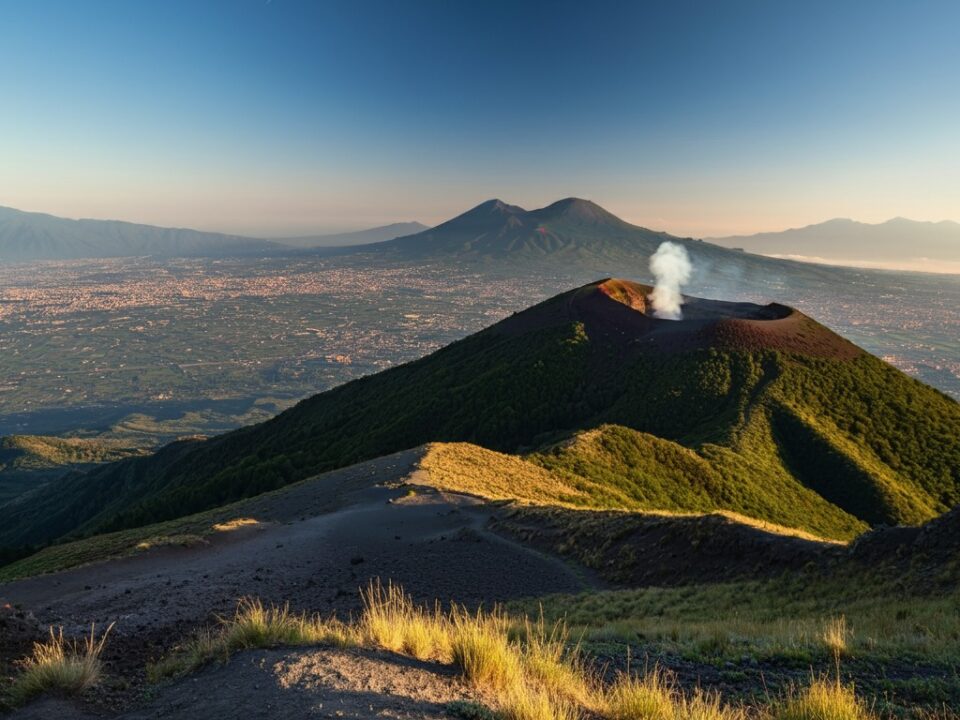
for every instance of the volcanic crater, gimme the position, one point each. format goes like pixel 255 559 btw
pixel 620 310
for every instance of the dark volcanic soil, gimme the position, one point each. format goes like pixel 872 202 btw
pixel 435 545
pixel 312 683
pixel 639 550
pixel 619 311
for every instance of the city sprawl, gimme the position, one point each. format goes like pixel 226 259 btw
pixel 150 350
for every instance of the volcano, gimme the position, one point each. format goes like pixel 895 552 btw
pixel 620 311
pixel 573 234
pixel 752 409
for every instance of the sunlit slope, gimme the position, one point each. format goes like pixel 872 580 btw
pixel 760 410
pixel 28 461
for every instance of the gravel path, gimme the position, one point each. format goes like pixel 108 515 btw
pixel 316 683
pixel 436 545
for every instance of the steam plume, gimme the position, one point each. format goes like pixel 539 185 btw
pixel 671 266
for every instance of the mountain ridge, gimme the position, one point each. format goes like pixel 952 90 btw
pixel 355 237
pixel 27 236
pixel 788 424
pixel 497 229
pixel 843 240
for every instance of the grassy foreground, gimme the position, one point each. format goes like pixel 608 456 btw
pixel 522 669
pixel 900 647
pixel 59 665
pixel 530 670
pixel 783 616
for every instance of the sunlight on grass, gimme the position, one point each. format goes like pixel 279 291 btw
pixel 531 668
pixel 253 625
pixel 823 699
pixel 183 540
pixel 835 635
pixel 60 665
pixel 391 620
pixel 234 524
pixel 646 698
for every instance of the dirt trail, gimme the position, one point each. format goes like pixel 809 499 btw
pixel 436 545
pixel 315 683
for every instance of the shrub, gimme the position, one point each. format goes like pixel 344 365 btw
pixel 392 621
pixel 835 635
pixel 823 699
pixel 480 647
pixel 647 698
pixel 60 665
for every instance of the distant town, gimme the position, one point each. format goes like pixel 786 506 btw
pixel 156 349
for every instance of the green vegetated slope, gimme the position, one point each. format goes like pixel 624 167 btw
pixel 27 461
pixel 824 445
pixel 756 410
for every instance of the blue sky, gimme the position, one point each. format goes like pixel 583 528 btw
pixel 285 117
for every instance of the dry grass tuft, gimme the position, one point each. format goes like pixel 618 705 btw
pixel 391 620
pixel 651 697
pixel 253 626
pixel 522 702
pixel 536 680
pixel 480 646
pixel 532 669
pixel 707 706
pixel 823 699
pixel 835 636
pixel 60 665
pixel 555 664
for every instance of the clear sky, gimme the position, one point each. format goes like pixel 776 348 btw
pixel 282 117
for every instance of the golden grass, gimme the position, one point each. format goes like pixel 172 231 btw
pixel 469 469
pixel 234 524
pixel 391 620
pixel 707 706
pixel 472 470
pixel 523 702
pixel 60 665
pixel 253 625
pixel 181 540
pixel 647 698
pixel 530 669
pixel 480 647
pixel 823 699
pixel 556 665
pixel 835 635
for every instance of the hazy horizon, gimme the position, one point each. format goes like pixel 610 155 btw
pixel 436 219
pixel 290 118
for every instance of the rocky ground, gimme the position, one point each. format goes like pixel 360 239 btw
pixel 436 545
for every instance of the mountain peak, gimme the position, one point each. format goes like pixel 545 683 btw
pixel 577 209
pixel 620 312
pixel 496 205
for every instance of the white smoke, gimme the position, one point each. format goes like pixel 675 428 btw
pixel 671 266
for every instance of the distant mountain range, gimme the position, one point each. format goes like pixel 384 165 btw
pixel 907 244
pixel 570 233
pixel 35 236
pixel 358 237
pixel 577 235
pixel 568 228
